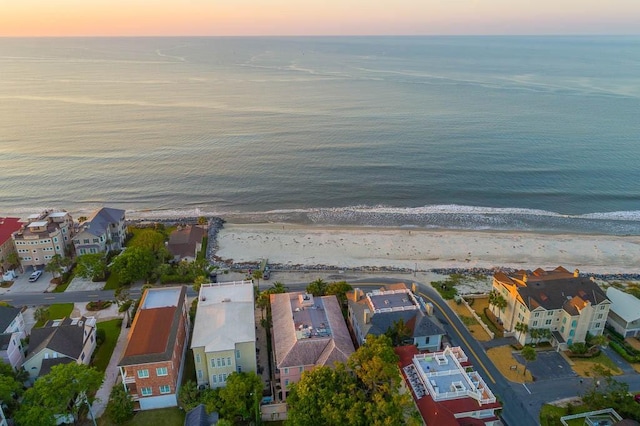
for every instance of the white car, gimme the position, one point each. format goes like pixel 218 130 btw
pixel 34 277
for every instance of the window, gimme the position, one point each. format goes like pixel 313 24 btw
pixel 228 360
pixel 537 314
pixel 200 374
pixel 598 325
pixel 213 363
pixel 95 240
pixel 572 333
pixel 564 320
pixel 81 358
pixel 161 371
pixel 223 364
pixel 146 391
pixel 574 323
pixel 214 378
pixel 218 361
pixel 602 307
pixel 549 313
pixel 301 369
pixel 562 329
pixel 165 389
pixel 600 316
pixel 198 358
pixel 547 322
pixel 286 371
pixel 143 374
pixel 220 378
pixel 535 324
pixel 86 241
pixel 237 354
pixel 286 382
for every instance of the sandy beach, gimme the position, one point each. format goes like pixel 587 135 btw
pixel 352 247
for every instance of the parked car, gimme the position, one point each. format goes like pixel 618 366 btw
pixel 266 275
pixel 34 277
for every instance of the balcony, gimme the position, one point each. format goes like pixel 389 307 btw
pixel 129 379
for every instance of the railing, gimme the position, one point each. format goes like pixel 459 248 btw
pixel 129 379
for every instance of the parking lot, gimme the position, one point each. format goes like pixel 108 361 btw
pixel 21 284
pixel 548 365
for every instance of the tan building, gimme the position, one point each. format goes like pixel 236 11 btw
pixel 43 236
pixel 8 225
pixel 152 364
pixel 567 305
pixel 224 332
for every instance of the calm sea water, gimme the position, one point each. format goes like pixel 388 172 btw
pixel 535 133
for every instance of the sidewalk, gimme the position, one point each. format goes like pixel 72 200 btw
pixel 111 375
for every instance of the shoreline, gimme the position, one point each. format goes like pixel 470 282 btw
pixel 407 249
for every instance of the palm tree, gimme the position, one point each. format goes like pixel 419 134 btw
pixel 529 354
pixel 535 335
pixel 521 328
pixel 256 275
pixel 599 340
pixel 317 287
pixel 54 266
pixel 14 260
pixel 545 334
pixel 497 301
pixel 278 287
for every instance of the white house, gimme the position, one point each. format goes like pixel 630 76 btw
pixel 103 231
pixel 12 332
pixel 624 316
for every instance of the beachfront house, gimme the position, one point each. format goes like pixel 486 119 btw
pixel 307 332
pixel 378 311
pixel 43 236
pixel 102 232
pixel 224 332
pixel 556 306
pixel 152 363
pixel 445 389
pixel 12 331
pixel 60 341
pixel 185 242
pixel 624 315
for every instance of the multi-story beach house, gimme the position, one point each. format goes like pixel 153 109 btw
pixel 375 312
pixel 60 341
pixel 12 331
pixel 8 225
pixel 224 332
pixel 43 236
pixel 152 363
pixel 103 231
pixel 564 304
pixel 446 389
pixel 624 314
pixel 185 242
pixel 308 331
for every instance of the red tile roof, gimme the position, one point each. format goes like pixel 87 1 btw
pixel 440 413
pixel 8 225
pixel 150 331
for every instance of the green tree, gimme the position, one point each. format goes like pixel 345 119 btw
pixel 521 328
pixel 198 281
pixel 55 265
pixel 57 393
pixel 82 219
pixel 529 354
pixel 277 288
pixel 340 290
pixel 317 287
pixel 497 301
pixel 10 388
pixel 189 396
pixel 120 405
pixel 375 364
pixel 257 275
pixel 606 392
pixel 240 398
pixel 14 260
pixel 399 332
pixel 599 340
pixel 202 220
pixel 133 264
pixel 92 266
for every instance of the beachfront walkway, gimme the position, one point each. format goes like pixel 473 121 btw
pixel 111 375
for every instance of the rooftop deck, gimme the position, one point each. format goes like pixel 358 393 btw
pixel 309 317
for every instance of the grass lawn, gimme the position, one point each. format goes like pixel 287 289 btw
pixel 60 288
pixel 189 372
pixel 471 323
pixel 112 282
pixel 57 311
pixel 103 353
pixel 583 366
pixel 503 359
pixel 550 414
pixel 162 417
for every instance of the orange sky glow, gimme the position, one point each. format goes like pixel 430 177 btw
pixel 314 17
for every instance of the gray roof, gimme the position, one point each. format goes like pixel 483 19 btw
pixel 49 363
pixel 7 314
pixel 5 339
pixel 292 351
pixel 98 223
pixel 198 417
pixel 563 293
pixel 183 242
pixel 66 338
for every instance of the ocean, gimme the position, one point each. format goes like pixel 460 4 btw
pixel 498 133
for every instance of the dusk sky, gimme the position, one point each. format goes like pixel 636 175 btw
pixel 316 17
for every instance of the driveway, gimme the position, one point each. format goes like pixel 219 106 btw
pixel 548 365
pixel 22 285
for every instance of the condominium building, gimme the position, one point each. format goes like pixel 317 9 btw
pixel 43 236
pixel 152 364
pixel 565 304
pixel 224 332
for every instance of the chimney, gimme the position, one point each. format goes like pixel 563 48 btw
pixel 576 273
pixel 359 294
pixel 367 316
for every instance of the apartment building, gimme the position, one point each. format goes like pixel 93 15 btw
pixel 43 236
pixel 152 362
pixel 566 304
pixel 103 231
pixel 224 332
